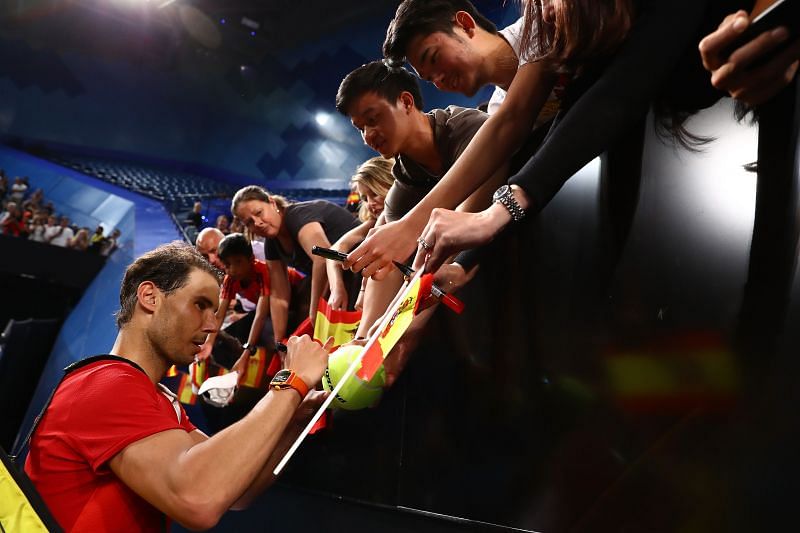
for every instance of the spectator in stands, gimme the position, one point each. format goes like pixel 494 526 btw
pixel 111 243
pixel 207 242
pixel 195 218
pixel 61 234
pixel 37 226
pixel 291 230
pixel 115 449
pixel 372 182
pixel 96 240
pixel 18 191
pixel 384 103
pixel 12 221
pixel 80 241
pixel 237 226
pixel 223 224
pixel 3 185
pixel 34 201
pixel 50 208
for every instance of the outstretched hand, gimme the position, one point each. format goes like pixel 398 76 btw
pixel 449 232
pixel 393 241
pixel 749 74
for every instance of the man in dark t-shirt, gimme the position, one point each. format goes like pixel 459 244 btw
pixel 385 104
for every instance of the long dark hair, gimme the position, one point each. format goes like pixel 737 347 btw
pixel 583 31
pixel 586 31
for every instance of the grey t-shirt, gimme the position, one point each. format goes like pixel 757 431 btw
pixel 453 129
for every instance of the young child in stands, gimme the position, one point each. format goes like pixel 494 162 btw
pixel 249 277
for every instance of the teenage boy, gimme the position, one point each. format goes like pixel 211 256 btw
pixel 384 103
pixel 452 45
pixel 115 451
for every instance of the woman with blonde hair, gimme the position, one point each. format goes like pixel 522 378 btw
pixel 373 179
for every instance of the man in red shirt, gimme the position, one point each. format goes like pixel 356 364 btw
pixel 114 451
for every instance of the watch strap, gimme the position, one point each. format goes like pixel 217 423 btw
pixel 281 382
pixel 508 201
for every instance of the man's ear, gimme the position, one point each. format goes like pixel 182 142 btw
pixel 147 295
pixel 406 100
pixel 465 21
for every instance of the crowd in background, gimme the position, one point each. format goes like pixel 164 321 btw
pixel 27 215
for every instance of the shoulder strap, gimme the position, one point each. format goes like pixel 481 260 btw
pixel 22 445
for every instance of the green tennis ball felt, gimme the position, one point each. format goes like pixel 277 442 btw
pixel 356 393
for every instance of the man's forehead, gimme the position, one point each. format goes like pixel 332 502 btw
pixel 365 104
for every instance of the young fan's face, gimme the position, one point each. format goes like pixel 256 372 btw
pixel 449 61
pixel 382 124
pixel 374 201
pixel 238 267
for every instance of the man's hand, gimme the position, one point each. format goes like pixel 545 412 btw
pixel 742 74
pixel 394 241
pixel 307 358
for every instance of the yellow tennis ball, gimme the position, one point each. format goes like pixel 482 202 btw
pixel 356 393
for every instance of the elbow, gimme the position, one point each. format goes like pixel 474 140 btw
pixel 198 515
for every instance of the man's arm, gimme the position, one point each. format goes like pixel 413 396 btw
pixel 194 479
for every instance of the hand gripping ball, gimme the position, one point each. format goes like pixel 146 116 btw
pixel 356 393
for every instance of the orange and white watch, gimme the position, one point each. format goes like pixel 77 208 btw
pixel 286 379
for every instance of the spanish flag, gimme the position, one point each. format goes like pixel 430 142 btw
pixel 339 324
pixel 185 393
pixel 256 367
pixel 405 307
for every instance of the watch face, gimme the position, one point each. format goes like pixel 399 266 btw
pixel 281 377
pixel 499 193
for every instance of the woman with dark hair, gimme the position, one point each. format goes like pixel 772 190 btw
pixel 291 230
pixel 624 57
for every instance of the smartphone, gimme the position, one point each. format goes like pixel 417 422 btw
pixel 327 253
pixel 781 13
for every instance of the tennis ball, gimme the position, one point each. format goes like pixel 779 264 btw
pixel 356 393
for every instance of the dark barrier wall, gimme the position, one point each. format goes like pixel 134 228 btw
pixel 609 373
pixel 51 264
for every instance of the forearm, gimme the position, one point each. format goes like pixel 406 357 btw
pixel 492 146
pixel 319 282
pixel 265 477
pixel 377 297
pixel 219 471
pixel 279 311
pixel 616 101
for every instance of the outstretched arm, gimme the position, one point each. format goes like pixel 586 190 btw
pixel 194 479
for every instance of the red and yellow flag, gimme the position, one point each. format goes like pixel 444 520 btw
pixel 337 323
pixel 403 312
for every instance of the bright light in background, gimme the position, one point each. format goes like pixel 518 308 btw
pixel 322 118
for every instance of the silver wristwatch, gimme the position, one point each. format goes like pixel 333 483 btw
pixel 504 195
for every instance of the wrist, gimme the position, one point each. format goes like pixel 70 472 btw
pixel 496 218
pixel 521 197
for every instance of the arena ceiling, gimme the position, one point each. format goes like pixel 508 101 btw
pixel 237 31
